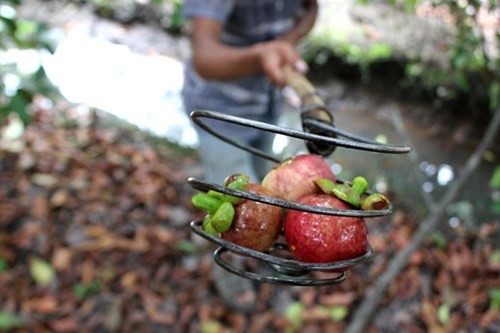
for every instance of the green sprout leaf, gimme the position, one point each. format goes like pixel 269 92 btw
pixel 439 240
pixel 223 217
pixel 208 227
pixel 494 299
pixel 495 257
pixel 83 290
pixel 351 194
pixel 9 321
pixel 339 312
pixel 443 314
pixel 186 246
pixel 495 179
pixel 42 272
pixel 240 183
pixel 293 312
pixel 326 185
pixel 206 202
pixel 3 265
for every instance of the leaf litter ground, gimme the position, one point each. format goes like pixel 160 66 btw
pixel 95 237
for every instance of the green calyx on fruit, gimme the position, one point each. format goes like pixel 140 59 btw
pixel 353 193
pixel 208 227
pixel 375 201
pixel 206 202
pixel 223 217
pixel 236 182
pixel 219 206
pixel 326 185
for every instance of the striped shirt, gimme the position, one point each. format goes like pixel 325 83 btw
pixel 244 22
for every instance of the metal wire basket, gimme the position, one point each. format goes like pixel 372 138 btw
pixel 322 138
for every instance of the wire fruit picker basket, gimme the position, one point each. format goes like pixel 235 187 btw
pixel 321 138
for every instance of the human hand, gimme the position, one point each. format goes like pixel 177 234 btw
pixel 274 55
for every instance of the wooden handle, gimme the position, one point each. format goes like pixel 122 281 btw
pixel 308 95
pixel 306 91
pixel 313 107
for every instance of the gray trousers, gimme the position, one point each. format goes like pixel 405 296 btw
pixel 220 159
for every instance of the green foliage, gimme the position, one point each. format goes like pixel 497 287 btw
pixel 166 13
pixel 3 265
pixel 176 17
pixel 469 71
pixel 439 240
pixel 444 314
pixel 470 65
pixel 17 87
pixel 408 5
pixel 9 321
pixel 494 294
pixel 495 188
pixel 292 313
pixel 83 290
pixel 186 246
pixel 42 272
pixel 495 258
pixel 211 326
pixel 355 55
pixel 295 310
pixel 495 179
pixel 338 312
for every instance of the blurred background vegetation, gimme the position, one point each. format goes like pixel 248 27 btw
pixel 468 74
pixel 18 85
pixel 464 76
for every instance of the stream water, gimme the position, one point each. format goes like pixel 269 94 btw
pixel 143 88
pixel 416 179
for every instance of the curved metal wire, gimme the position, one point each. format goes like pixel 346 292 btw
pixel 289 271
pixel 354 142
pixel 285 280
pixel 204 186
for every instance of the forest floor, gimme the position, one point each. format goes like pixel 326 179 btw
pixel 95 237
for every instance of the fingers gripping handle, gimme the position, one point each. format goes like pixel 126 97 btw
pixel 312 108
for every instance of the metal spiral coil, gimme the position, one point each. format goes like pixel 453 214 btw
pixel 285 270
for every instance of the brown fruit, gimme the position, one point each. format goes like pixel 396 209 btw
pixel 256 225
